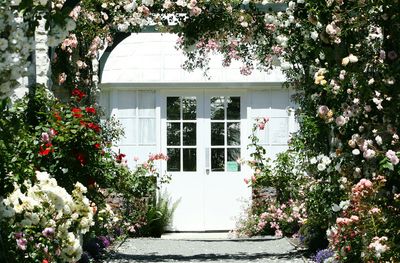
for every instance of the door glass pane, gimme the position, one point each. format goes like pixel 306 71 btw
pixel 218 160
pixel 217 133
pixel 233 156
pixel 173 133
pixel 233 133
pixel 217 108
pixel 233 108
pixel 189 106
pixel 174 161
pixel 189 133
pixel 189 160
pixel 173 108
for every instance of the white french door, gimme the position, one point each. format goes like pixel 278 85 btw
pixel 204 135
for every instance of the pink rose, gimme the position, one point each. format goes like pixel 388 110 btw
pixel 391 155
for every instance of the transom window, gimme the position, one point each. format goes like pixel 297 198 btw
pixel 181 133
pixel 225 133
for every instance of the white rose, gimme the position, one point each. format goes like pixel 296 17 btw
pixel 122 27
pixel 314 35
pixel 148 2
pixel 321 166
pixel 344 204
pixel 340 121
pixel 345 61
pixel 335 208
pixel 378 140
pixel 131 6
pixel 42 176
pixel 352 58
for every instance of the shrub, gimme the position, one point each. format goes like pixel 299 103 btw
pixel 158 215
pixel 278 192
pixel 42 221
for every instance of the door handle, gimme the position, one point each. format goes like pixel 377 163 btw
pixel 207 171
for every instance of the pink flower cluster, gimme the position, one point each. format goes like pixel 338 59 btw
pixel 277 215
pixel 378 247
pixel 69 43
pixel 158 156
pixel 210 45
pixel 194 10
pixel 344 221
pixel 362 189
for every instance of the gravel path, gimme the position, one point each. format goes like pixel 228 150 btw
pixel 218 250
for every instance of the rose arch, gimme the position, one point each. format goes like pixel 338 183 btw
pixel 341 57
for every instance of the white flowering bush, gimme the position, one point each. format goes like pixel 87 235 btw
pixel 42 221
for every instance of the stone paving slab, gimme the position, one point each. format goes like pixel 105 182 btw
pixel 210 250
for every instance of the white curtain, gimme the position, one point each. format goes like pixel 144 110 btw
pixel 147 131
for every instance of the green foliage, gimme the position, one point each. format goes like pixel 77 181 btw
pixel 159 214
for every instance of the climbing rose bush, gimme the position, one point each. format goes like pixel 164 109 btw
pixel 42 221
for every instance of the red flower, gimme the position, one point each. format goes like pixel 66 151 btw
pixel 45 261
pixel 57 116
pixel 78 94
pixel 97 145
pixel 45 151
pixel 94 127
pixel 81 158
pixel 120 157
pixel 77 113
pixel 90 110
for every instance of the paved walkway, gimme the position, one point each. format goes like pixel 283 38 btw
pixel 184 248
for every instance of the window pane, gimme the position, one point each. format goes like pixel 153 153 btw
pixel 147 104
pixel 189 107
pixel 129 126
pixel 173 133
pixel 189 160
pixel 217 133
pixel 218 160
pixel 173 108
pixel 232 164
pixel 147 131
pixel 217 108
pixel 233 108
pixel 233 133
pixel 189 133
pixel 174 161
pixel 126 103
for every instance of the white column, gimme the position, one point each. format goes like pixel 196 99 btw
pixel 43 68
